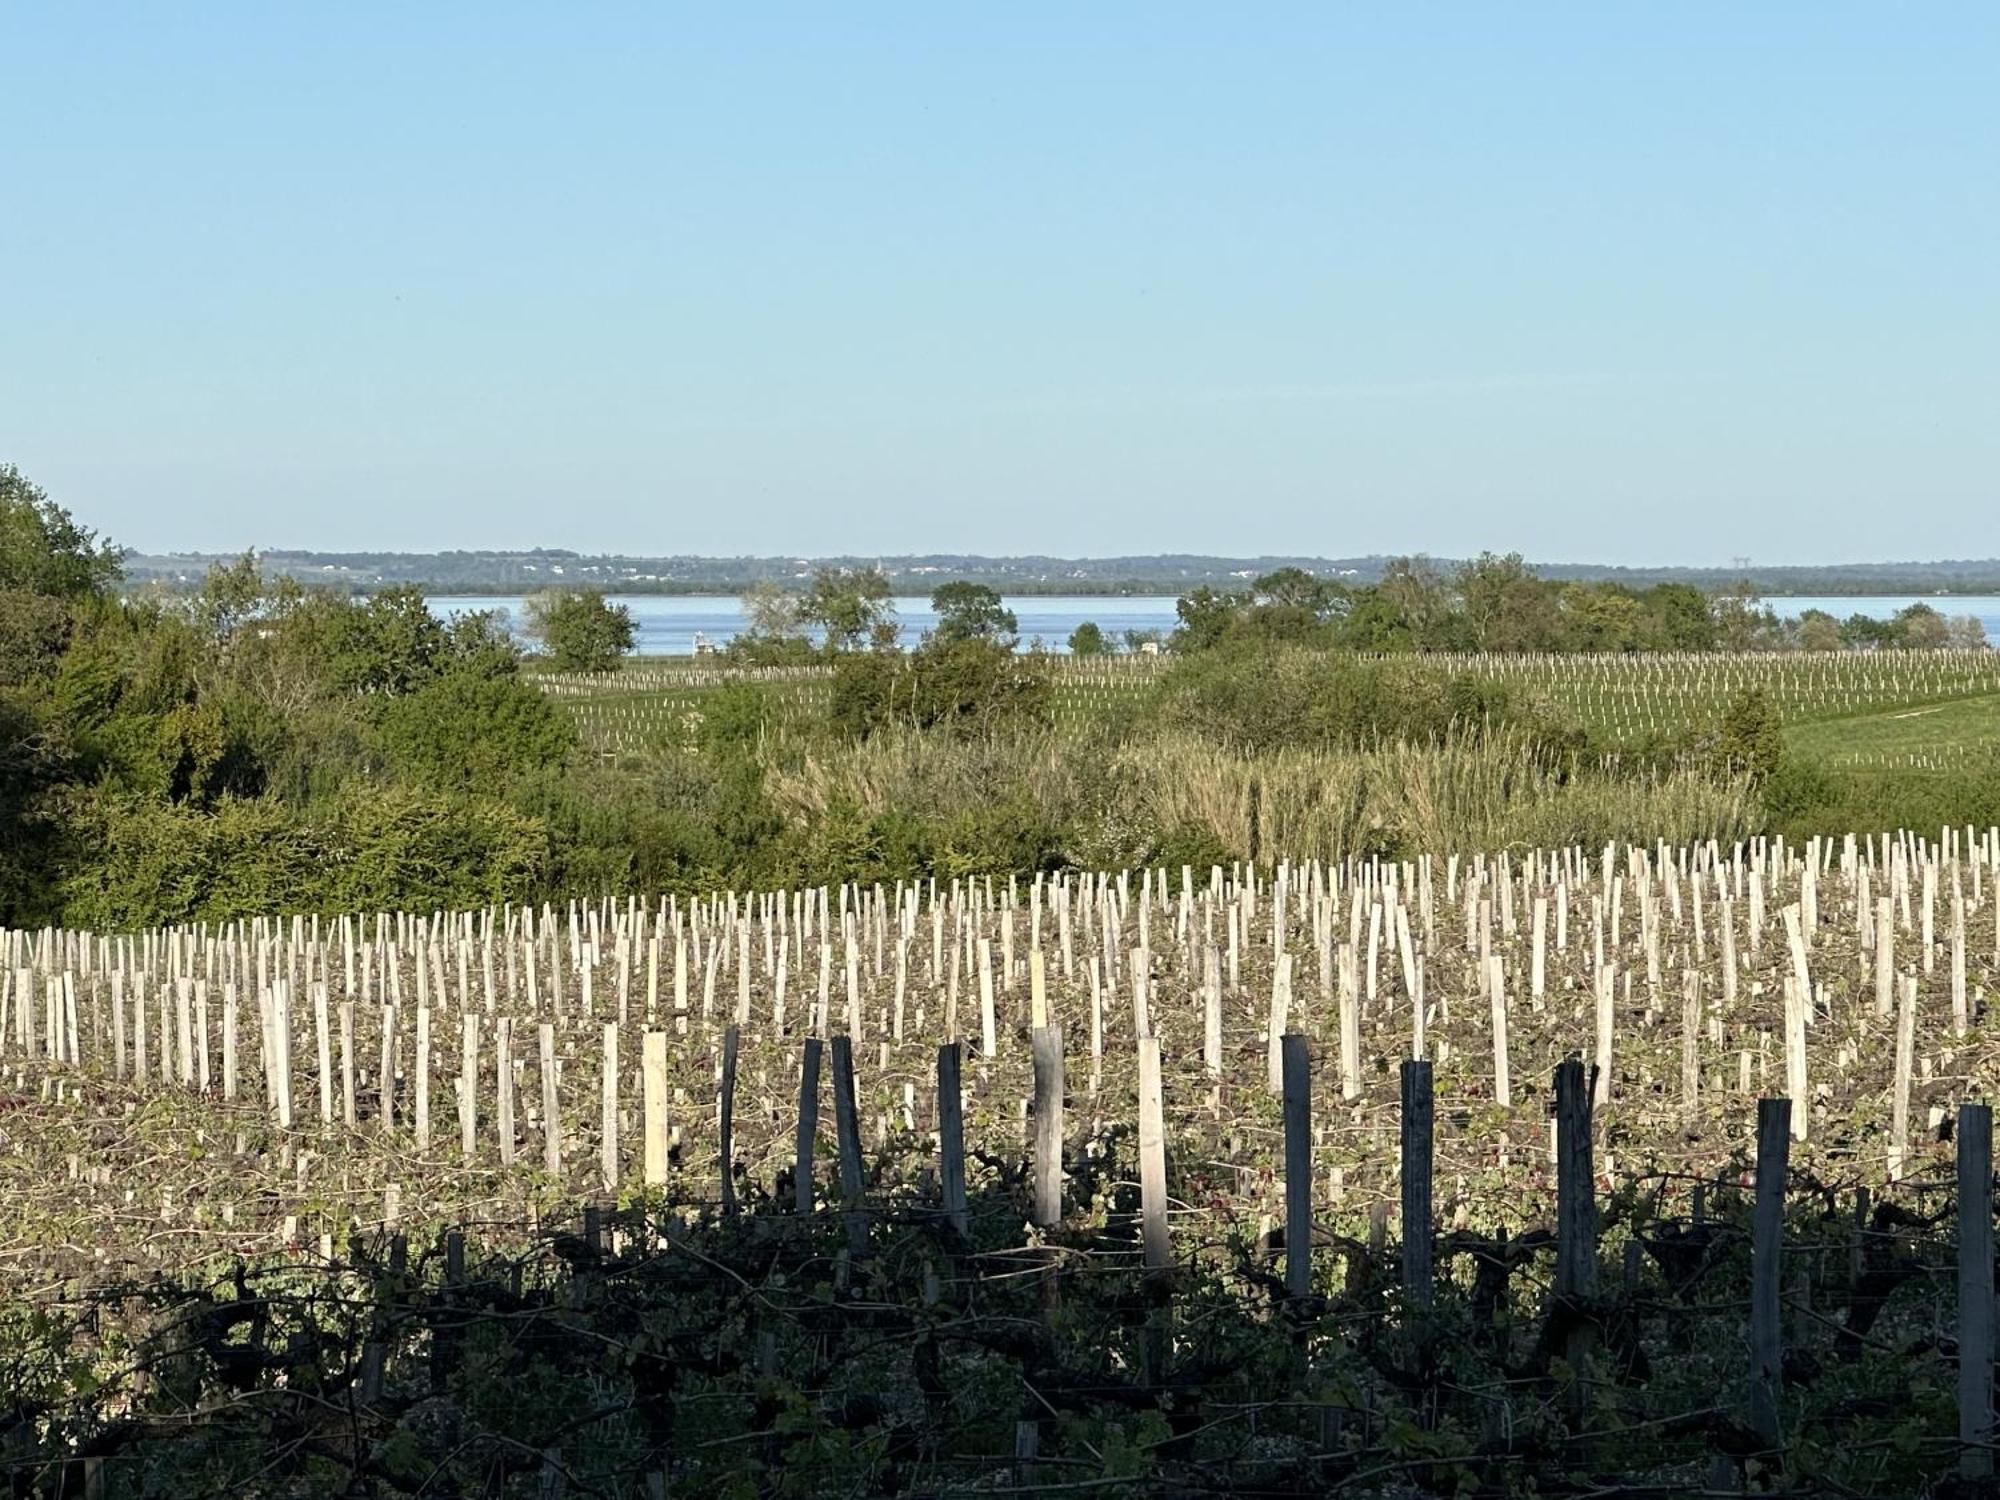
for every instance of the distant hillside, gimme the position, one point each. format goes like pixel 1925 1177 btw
pixel 1165 573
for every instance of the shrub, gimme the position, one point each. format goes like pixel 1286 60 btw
pixel 579 630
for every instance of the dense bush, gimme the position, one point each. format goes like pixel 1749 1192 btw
pixel 1268 699
pixel 961 684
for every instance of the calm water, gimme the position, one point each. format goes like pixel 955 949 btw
pixel 669 623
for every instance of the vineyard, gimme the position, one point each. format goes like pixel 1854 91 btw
pixel 1851 709
pixel 1435 1176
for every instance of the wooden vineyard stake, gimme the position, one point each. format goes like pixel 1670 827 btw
pixel 1576 1206
pixel 808 1127
pixel 1048 1062
pixel 951 1137
pixel 1298 1164
pixel 1416 1127
pixel 732 1041
pixel 847 1127
pixel 1975 1289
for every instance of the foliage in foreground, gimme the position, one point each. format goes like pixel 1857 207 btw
pixel 765 1356
pixel 258 747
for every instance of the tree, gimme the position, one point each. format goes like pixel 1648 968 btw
pixel 771 609
pixel 1819 631
pixel 774 636
pixel 230 594
pixel 849 605
pixel 1600 617
pixel 973 612
pixel 1207 616
pixel 1508 607
pixel 1751 738
pixel 391 644
pixel 1920 628
pixel 43 551
pixel 1088 639
pixel 1412 607
pixel 1678 618
pixel 580 630
pixel 1743 622
pixel 1967 632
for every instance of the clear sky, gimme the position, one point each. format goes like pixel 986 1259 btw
pixel 1606 282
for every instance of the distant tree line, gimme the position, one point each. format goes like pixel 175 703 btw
pixel 525 572
pixel 1499 603
pixel 1492 603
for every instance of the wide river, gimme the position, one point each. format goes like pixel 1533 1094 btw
pixel 670 623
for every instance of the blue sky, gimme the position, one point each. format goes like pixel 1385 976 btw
pixel 1595 282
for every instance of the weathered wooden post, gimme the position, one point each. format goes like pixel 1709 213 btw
pixel 1774 1142
pixel 1417 1167
pixel 732 1041
pixel 1048 1056
pixel 847 1126
pixel 1576 1205
pixel 951 1137
pixel 808 1127
pixel 1975 1289
pixel 1298 1164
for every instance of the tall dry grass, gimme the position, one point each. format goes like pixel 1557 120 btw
pixel 1472 792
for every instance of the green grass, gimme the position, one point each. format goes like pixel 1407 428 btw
pixel 1916 735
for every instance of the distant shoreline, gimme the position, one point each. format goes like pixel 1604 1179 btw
pixel 1080 589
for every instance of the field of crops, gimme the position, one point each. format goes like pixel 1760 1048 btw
pixel 1064 1091
pixel 1854 709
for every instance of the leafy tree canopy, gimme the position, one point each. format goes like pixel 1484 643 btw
pixel 580 630
pixel 973 612
pixel 44 551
